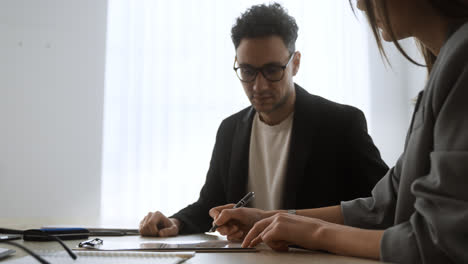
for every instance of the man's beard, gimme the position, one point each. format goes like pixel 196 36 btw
pixel 280 103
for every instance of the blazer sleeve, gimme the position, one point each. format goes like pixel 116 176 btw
pixel 195 217
pixel 365 165
pixel 437 231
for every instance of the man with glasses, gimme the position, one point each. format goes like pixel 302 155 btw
pixel 293 149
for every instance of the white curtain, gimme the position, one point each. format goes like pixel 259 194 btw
pixel 169 84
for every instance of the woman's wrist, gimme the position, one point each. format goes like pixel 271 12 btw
pixel 348 241
pixel 321 234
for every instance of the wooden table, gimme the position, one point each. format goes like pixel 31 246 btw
pixel 265 254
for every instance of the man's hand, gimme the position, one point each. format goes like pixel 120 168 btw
pixel 235 223
pixel 157 224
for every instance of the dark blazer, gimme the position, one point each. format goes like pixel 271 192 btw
pixel 331 159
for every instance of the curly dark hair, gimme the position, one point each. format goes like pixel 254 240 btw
pixel 263 21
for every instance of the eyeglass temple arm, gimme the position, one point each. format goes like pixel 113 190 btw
pixel 290 59
pixel 30 252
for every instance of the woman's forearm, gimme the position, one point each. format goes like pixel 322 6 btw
pixel 320 228
pixel 330 214
pixel 350 241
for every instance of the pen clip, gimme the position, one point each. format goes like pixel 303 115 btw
pixel 91 243
pixel 245 200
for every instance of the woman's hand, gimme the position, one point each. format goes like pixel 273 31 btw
pixel 236 223
pixel 281 230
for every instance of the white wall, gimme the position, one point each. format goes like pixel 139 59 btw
pixel 393 89
pixel 52 55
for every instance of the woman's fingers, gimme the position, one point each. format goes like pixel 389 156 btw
pixel 281 230
pixel 273 230
pixel 255 231
pixel 278 245
pixel 261 237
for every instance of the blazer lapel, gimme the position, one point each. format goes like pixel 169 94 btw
pixel 239 166
pixel 299 150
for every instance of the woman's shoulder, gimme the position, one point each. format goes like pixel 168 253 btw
pixel 450 72
pixel 454 52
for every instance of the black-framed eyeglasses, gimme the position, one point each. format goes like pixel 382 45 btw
pixel 37 234
pixel 271 72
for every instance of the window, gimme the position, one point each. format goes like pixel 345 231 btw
pixel 169 84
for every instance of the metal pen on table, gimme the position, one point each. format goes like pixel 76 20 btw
pixel 243 202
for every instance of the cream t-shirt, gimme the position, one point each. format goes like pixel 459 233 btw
pixel 268 159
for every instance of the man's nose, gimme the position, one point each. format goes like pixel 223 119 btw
pixel 260 83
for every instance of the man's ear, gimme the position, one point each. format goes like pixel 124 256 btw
pixel 296 63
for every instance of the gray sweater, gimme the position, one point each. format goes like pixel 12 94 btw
pixel 422 202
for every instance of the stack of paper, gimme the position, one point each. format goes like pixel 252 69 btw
pixel 108 257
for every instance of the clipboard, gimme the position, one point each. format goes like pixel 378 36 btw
pixel 199 246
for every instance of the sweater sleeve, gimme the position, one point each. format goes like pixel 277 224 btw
pixel 377 211
pixel 437 231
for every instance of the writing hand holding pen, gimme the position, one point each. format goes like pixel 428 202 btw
pixel 235 223
pixel 247 198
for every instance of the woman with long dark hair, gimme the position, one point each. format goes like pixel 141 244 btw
pixel 418 212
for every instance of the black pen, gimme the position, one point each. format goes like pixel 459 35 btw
pixel 243 202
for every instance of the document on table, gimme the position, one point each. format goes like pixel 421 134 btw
pixel 197 246
pixel 106 257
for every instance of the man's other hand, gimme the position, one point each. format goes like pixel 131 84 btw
pixel 157 224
